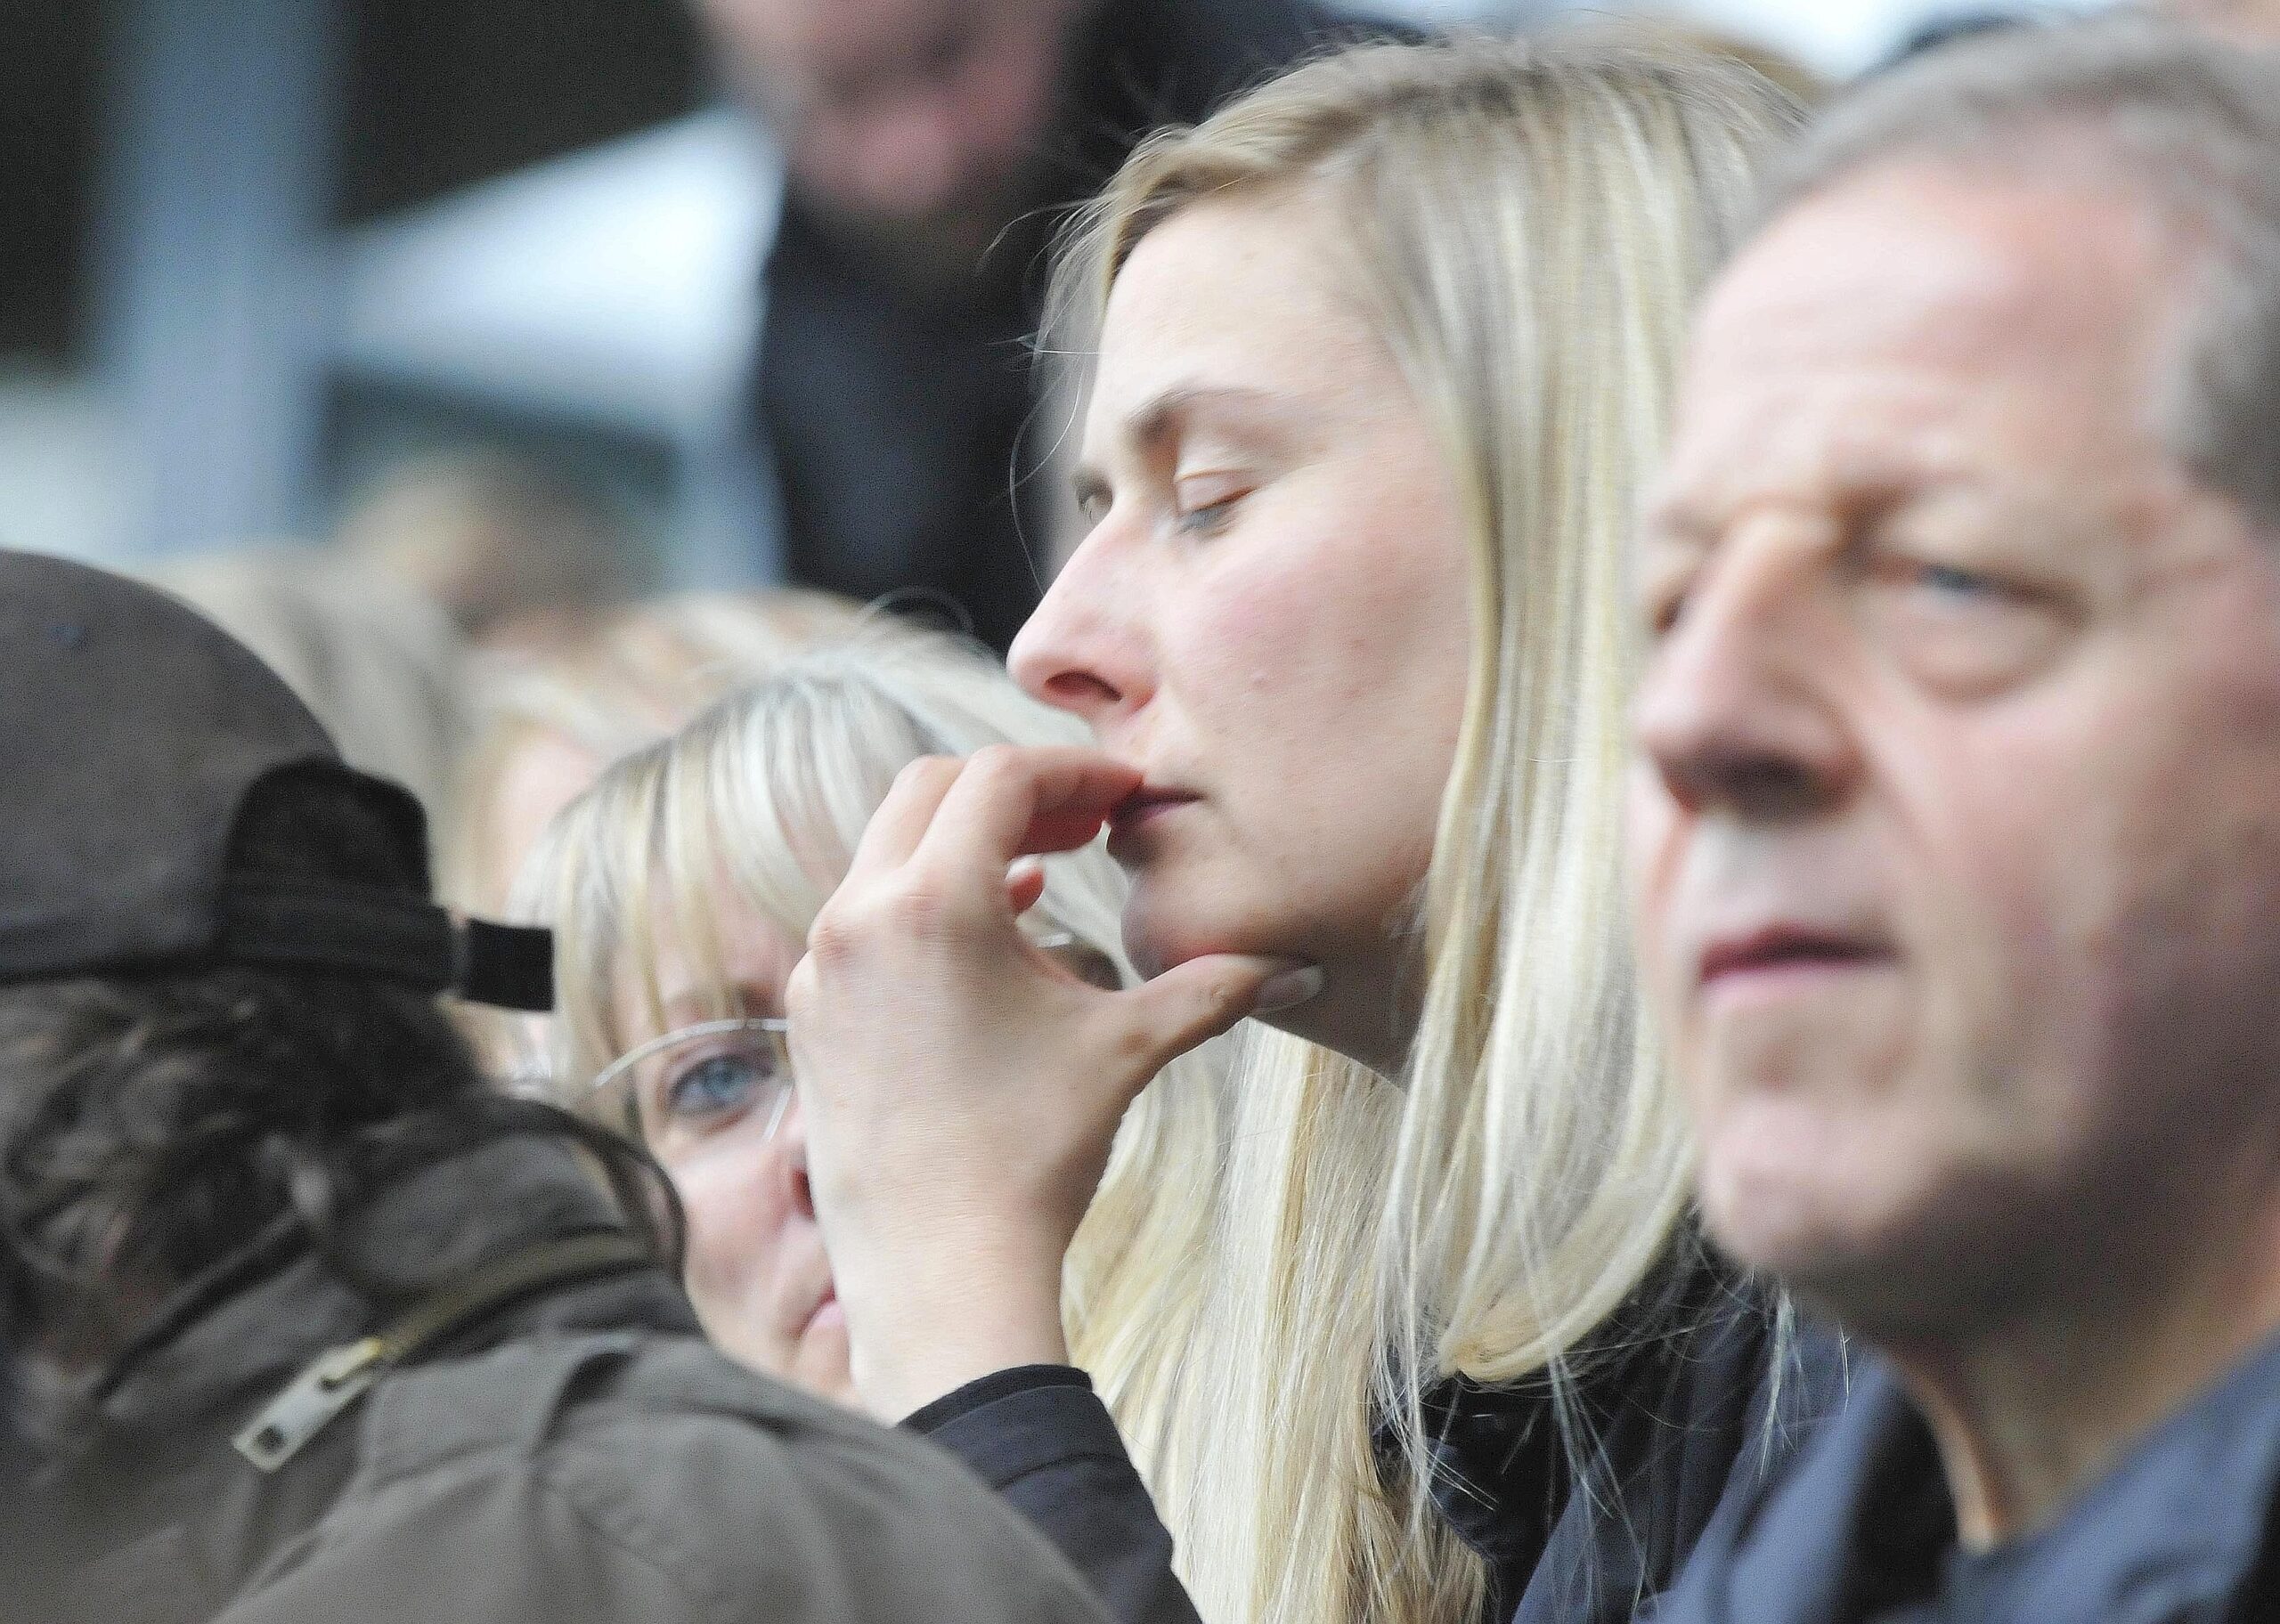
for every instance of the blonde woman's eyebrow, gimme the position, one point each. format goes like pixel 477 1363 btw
pixel 688 1007
pixel 1160 420
pixel 1166 414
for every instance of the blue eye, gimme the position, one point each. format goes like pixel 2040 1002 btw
pixel 725 1082
pixel 1956 582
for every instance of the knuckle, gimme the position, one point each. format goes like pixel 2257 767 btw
pixel 923 771
pixel 1226 995
pixel 994 761
pixel 1132 1046
pixel 832 940
pixel 1219 1000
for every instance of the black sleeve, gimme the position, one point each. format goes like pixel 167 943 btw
pixel 1041 1438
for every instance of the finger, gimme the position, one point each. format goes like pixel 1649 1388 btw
pixel 901 820
pixel 1051 832
pixel 1013 802
pixel 1024 884
pixel 1191 1002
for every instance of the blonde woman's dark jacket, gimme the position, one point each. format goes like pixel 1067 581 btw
pixel 1686 1402
pixel 576 1455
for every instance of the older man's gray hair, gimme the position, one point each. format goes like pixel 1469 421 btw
pixel 2189 125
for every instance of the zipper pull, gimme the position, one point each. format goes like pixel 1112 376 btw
pixel 331 1382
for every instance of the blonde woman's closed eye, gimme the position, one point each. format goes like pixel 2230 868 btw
pixel 1205 504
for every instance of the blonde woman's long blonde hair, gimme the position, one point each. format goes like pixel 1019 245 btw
pixel 765 796
pixel 1526 225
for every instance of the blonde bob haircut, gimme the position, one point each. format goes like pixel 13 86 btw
pixel 1525 225
pixel 764 797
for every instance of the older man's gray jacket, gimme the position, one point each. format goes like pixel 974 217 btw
pixel 578 1454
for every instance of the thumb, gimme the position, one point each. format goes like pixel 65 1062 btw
pixel 1197 1001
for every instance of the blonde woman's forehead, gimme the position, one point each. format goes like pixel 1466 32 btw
pixel 1233 299
pixel 736 961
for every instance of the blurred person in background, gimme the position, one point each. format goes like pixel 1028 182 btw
pixel 2245 22
pixel 929 147
pixel 519 555
pixel 1385 349
pixel 382 665
pixel 304 1319
pixel 681 888
pixel 549 719
pixel 1957 830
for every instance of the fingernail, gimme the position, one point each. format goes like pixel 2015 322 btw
pixel 1288 987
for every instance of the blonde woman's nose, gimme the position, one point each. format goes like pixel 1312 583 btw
pixel 1084 650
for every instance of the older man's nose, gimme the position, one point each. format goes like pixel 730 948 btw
pixel 1735 711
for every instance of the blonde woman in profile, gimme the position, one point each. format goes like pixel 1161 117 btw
pixel 680 887
pixel 1385 348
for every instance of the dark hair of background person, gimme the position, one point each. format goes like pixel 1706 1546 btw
pixel 1949 30
pixel 166 1137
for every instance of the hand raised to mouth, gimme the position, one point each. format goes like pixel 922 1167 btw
pixel 962 1087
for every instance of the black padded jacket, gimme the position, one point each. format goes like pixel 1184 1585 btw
pixel 1692 1397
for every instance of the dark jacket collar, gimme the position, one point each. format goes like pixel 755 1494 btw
pixel 424 1228
pixel 149 1481
pixel 1864 1529
pixel 1678 1404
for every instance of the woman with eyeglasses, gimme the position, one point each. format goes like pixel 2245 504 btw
pixel 681 886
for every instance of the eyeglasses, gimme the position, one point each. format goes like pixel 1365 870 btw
pixel 714 1069
pixel 742 1064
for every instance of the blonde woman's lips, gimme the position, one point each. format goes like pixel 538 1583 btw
pixel 1143 806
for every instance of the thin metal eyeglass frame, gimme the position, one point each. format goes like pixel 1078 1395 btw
pixel 773 1025
pixel 776 1026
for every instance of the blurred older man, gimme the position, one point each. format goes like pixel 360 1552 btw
pixel 1957 829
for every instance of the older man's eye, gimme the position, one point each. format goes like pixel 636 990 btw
pixel 1939 583
pixel 1965 631
pixel 1953 580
